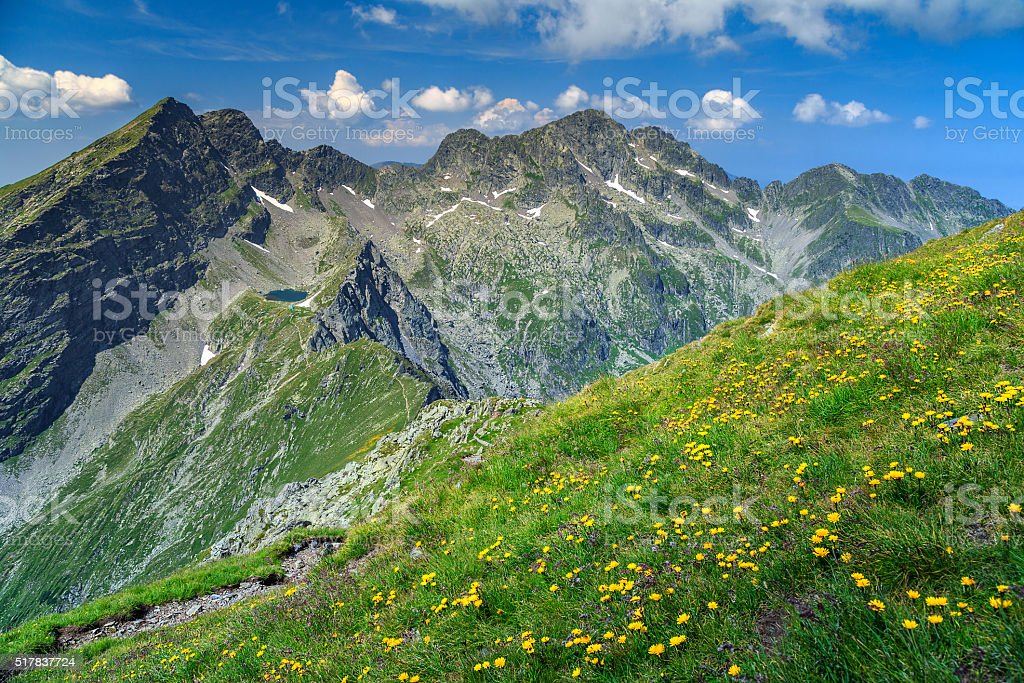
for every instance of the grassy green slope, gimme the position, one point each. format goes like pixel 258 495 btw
pixel 184 467
pixel 784 499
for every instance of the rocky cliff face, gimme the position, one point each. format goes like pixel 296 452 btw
pixel 374 303
pixel 832 218
pixel 131 212
pixel 255 162
pixel 582 247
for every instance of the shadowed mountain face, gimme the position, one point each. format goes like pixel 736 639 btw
pixel 130 213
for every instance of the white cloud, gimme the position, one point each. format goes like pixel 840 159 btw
pixel 44 92
pixel 583 29
pixel 573 99
pixel 545 115
pixel 810 109
pixel 922 122
pixel 721 110
pixel 452 99
pixel 815 109
pixel 511 115
pixel 93 92
pixel 508 114
pixel 376 14
pixel 345 99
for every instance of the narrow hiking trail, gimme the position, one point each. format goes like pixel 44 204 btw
pixel 296 568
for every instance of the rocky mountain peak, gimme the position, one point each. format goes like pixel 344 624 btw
pixel 137 207
pixel 258 163
pixel 374 303
pixel 464 147
pixel 586 119
pixel 169 109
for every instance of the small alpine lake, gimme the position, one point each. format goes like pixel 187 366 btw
pixel 290 296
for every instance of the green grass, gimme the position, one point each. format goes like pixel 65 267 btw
pixel 862 217
pixel 697 486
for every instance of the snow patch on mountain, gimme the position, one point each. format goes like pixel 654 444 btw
pixel 264 197
pixel 616 185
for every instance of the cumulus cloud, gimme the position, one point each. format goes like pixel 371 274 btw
pixel 345 99
pixel 63 92
pixel 452 99
pixel 545 115
pixel 815 109
pixel 583 29
pixel 717 110
pixel 573 99
pixel 376 14
pixel 922 122
pixel 511 115
pixel 811 108
pixel 722 110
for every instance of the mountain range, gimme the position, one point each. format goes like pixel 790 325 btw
pixel 196 319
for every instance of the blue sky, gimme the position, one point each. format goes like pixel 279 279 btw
pixel 862 82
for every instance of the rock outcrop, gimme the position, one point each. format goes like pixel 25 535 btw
pixel 374 303
pixel 363 488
